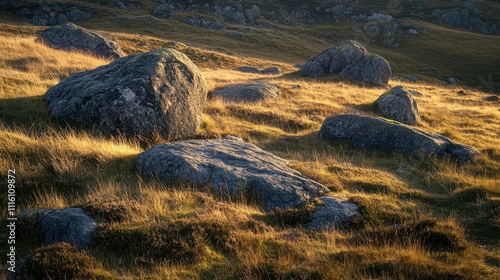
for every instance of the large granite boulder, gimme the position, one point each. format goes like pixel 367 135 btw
pixel 368 133
pixel 70 225
pixel 248 92
pixel 398 104
pixel 138 95
pixel 230 167
pixel 71 37
pixel 351 60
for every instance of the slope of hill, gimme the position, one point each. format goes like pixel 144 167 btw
pixel 423 218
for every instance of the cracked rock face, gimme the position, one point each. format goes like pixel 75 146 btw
pixel 70 225
pixel 369 133
pixel 398 104
pixel 230 167
pixel 351 60
pixel 71 37
pixel 138 95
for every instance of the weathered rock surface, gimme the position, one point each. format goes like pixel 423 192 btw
pixel 230 167
pixel 254 70
pixel 203 23
pixel 138 95
pixel 248 92
pixel 71 37
pixel 369 133
pixel 351 60
pixel 467 17
pixel 334 213
pixel 398 104
pixel 69 225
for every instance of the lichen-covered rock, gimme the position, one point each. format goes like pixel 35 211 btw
pixel 351 60
pixel 398 104
pixel 230 167
pixel 70 225
pixel 369 133
pixel 138 95
pixel 248 92
pixel 71 37
pixel 333 213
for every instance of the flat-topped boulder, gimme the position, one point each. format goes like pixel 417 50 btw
pixel 71 37
pixel 368 133
pixel 349 59
pixel 70 225
pixel 161 91
pixel 398 104
pixel 230 167
pixel 248 92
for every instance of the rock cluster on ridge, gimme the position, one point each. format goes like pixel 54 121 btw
pixel 349 59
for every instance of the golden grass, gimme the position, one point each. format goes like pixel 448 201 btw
pixel 64 166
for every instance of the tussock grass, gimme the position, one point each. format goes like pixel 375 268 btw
pixel 423 218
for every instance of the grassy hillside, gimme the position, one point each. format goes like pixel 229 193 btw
pixel 423 218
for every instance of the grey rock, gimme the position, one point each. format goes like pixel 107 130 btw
pixel 164 11
pixel 450 80
pixel 412 31
pixel 248 69
pixel 71 37
pixel 121 6
pixel 399 105
pixel 333 214
pixel 230 167
pixel 149 20
pixel 412 78
pixel 209 24
pixel 248 92
pixel 69 225
pixel 272 71
pixel 236 35
pixel 369 133
pixel 351 60
pixel 492 98
pixel 138 95
pixel 61 19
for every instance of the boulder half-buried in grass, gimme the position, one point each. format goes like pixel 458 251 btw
pixel 71 37
pixel 248 92
pixel 398 104
pixel 138 95
pixel 369 133
pixel 333 213
pixel 230 167
pixel 349 59
pixel 70 225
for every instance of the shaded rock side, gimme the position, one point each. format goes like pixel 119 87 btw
pixel 351 60
pixel 333 214
pixel 70 225
pixel 71 37
pixel 230 167
pixel 248 92
pixel 138 95
pixel 398 104
pixel 368 133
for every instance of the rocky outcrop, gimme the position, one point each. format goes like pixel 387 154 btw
pixel 70 225
pixel 369 133
pixel 161 91
pixel 398 104
pixel 467 17
pixel 71 37
pixel 164 10
pixel 333 213
pixel 248 93
pixel 230 167
pixel 49 14
pixel 254 70
pixel 209 24
pixel 349 59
